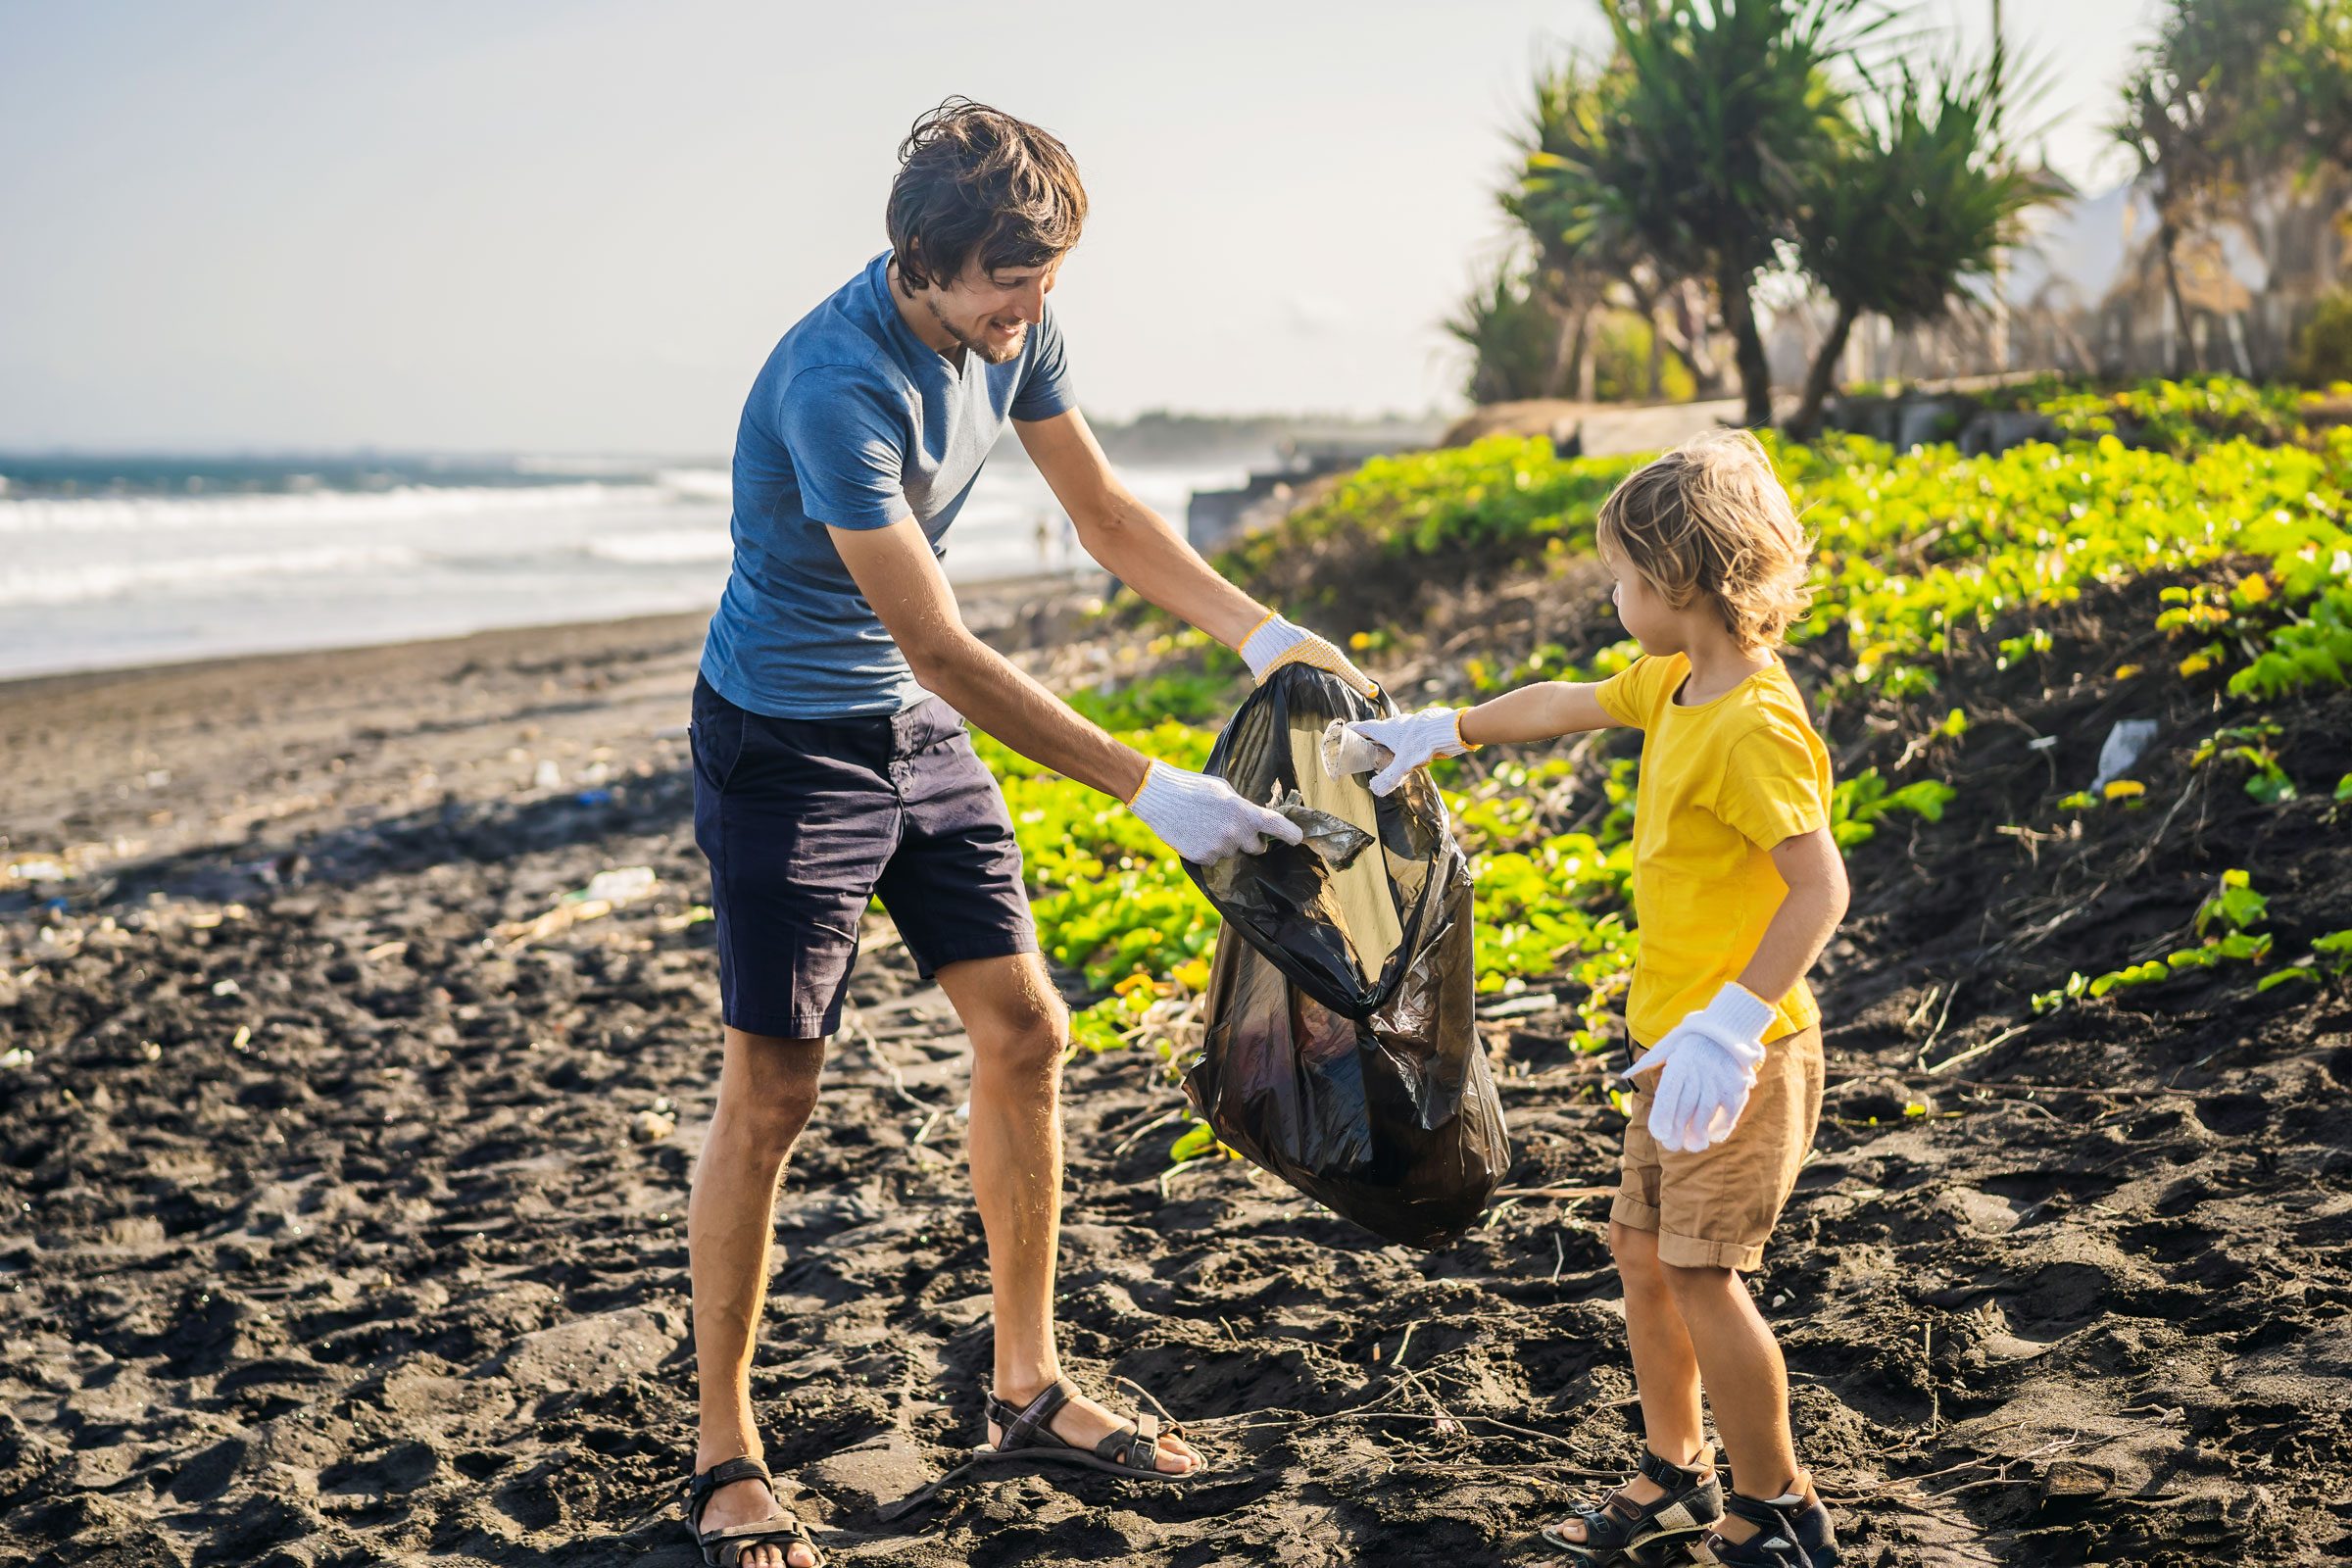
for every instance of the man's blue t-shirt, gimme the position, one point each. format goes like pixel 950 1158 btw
pixel 854 423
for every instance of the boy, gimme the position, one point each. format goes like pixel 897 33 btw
pixel 1738 884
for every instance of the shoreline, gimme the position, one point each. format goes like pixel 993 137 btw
pixel 989 599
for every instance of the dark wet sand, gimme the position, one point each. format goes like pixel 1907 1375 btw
pixel 345 1230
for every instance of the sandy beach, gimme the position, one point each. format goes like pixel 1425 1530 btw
pixel 346 1165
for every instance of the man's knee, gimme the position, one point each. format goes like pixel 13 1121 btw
pixel 768 1095
pixel 1028 1037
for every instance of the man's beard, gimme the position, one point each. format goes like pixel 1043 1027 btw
pixel 989 354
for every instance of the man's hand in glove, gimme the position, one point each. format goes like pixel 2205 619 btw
pixel 1706 1068
pixel 1277 643
pixel 1203 819
pixel 1412 740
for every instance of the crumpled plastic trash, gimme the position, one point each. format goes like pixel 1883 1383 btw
pixel 1341 1049
pixel 1335 839
pixel 1346 753
pixel 2125 742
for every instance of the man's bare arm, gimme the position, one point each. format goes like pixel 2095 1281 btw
pixel 896 570
pixel 1130 540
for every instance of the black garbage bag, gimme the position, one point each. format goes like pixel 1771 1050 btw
pixel 1341 1049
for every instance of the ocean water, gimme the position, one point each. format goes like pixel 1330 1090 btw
pixel 109 562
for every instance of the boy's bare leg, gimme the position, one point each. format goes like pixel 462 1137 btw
pixel 767 1091
pixel 1019 1029
pixel 1748 1383
pixel 1665 1369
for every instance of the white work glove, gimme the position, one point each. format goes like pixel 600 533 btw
pixel 1277 642
pixel 1203 819
pixel 1412 740
pixel 1706 1066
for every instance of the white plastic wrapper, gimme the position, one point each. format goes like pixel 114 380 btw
pixel 1346 753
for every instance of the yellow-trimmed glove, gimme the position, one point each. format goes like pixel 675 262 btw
pixel 1277 642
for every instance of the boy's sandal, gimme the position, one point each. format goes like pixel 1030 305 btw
pixel 724 1547
pixel 1791 1532
pixel 1619 1529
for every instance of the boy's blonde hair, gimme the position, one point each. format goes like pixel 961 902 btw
pixel 1712 518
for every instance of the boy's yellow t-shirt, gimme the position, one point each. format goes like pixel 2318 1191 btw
pixel 1722 784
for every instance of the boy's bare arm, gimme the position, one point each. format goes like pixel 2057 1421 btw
pixel 1802 926
pixel 1535 712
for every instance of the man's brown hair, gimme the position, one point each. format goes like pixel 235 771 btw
pixel 975 183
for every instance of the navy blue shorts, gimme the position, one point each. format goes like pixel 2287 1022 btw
pixel 803 820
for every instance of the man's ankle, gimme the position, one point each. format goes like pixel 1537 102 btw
pixel 1018 1388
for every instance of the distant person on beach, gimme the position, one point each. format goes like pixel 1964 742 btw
pixel 831 764
pixel 1739 885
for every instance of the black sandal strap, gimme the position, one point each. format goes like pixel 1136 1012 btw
pixel 1135 1446
pixel 701 1487
pixel 1755 1510
pixel 1676 1477
pixel 1027 1428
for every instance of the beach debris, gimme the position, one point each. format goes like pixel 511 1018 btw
pixel 18 1058
pixel 226 988
pixel 37 869
pixel 652 1126
pixel 2124 742
pixel 547 775
pixel 1347 752
pixel 623 885
pixel 1529 1001
pixel 1335 838
pixel 606 891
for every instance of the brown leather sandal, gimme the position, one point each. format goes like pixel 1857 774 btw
pixel 724 1548
pixel 1133 1451
pixel 1022 1436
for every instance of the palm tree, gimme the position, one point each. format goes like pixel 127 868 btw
pixel 2188 118
pixel 1723 105
pixel 1915 208
pixel 1513 338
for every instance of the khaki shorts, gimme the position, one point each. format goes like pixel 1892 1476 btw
pixel 1713 1209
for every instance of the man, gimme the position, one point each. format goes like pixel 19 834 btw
pixel 830 766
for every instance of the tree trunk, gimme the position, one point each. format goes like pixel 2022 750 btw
pixel 1739 319
pixel 1567 347
pixel 1821 379
pixel 2185 343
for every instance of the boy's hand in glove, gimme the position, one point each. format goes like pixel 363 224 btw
pixel 1706 1068
pixel 1412 740
pixel 1277 643
pixel 1203 819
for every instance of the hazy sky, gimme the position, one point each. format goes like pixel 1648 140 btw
pixel 580 226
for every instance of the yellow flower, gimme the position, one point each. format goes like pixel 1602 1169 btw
pixel 2124 789
pixel 1360 640
pixel 2126 671
pixel 2196 665
pixel 1192 974
pixel 2254 589
pixel 1138 981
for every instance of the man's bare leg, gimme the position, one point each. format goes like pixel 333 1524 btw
pixel 1665 1368
pixel 767 1091
pixel 1019 1029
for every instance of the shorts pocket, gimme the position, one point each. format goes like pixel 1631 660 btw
pixel 716 735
